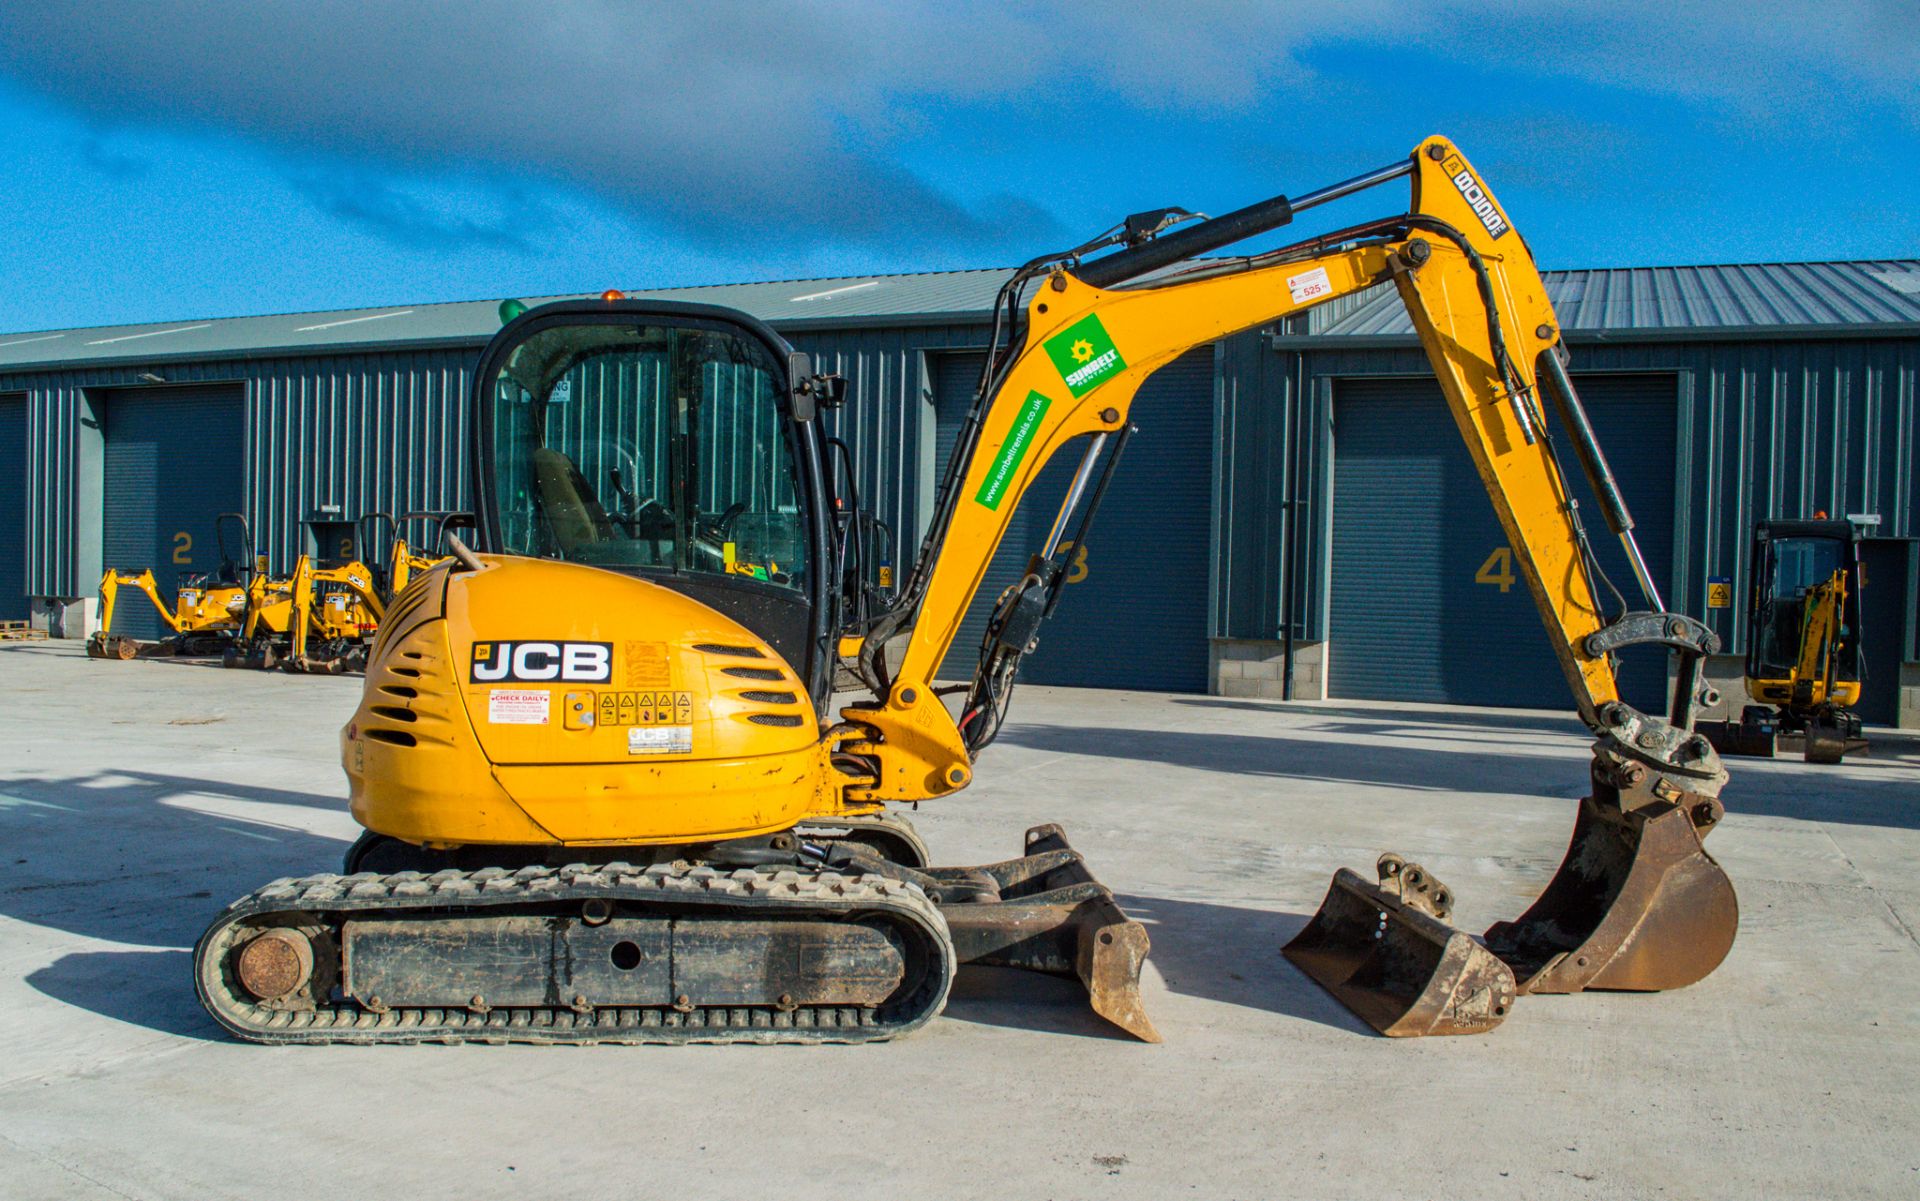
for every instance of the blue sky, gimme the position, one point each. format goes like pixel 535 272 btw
pixel 177 160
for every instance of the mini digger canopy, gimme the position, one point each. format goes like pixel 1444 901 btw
pixel 1803 649
pixel 606 793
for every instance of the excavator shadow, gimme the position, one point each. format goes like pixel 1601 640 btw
pixel 143 860
pixel 1020 1000
pixel 140 988
pixel 144 857
pixel 1375 719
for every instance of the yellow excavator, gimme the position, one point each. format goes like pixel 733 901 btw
pixel 337 607
pixel 209 608
pixel 1803 648
pixel 605 794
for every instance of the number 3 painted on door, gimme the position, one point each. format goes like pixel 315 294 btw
pixel 1077 565
pixel 1498 569
pixel 183 548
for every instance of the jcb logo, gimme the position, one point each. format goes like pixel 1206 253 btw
pixel 574 662
pixel 1477 198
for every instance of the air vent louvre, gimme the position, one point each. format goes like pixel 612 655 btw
pixel 770 698
pixel 721 648
pixel 775 719
pixel 391 737
pixel 394 713
pixel 755 673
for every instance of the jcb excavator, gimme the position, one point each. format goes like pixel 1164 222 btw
pixel 1803 649
pixel 209 608
pixel 603 796
pixel 337 606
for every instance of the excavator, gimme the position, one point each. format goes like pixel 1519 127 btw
pixel 1803 650
pixel 209 608
pixel 608 797
pixel 337 606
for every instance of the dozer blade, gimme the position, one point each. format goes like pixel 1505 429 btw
pixel 1045 912
pixel 1637 904
pixel 1386 952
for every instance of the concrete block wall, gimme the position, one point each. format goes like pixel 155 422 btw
pixel 1910 696
pixel 1256 667
pixel 64 617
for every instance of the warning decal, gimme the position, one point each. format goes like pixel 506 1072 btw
pixel 1310 285
pixel 517 706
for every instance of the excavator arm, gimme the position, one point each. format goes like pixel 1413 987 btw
pixel 1089 331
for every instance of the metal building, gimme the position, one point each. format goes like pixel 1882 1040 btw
pixel 1359 559
pixel 1297 517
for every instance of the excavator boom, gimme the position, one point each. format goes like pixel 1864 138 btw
pixel 1618 914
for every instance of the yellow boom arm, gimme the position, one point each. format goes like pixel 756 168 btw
pixel 1476 298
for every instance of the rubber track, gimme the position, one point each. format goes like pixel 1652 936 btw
pixel 678 888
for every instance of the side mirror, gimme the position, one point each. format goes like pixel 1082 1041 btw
pixel 800 382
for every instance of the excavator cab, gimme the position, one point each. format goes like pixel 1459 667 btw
pixel 671 443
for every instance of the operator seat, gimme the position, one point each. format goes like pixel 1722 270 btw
pixel 574 513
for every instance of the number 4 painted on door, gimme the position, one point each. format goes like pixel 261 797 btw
pixel 1498 569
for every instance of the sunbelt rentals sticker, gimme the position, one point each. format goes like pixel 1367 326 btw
pixel 1084 355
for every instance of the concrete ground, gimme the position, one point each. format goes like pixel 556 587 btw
pixel 136 799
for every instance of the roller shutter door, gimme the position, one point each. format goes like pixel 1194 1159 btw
pixel 1424 607
pixel 1139 617
pixel 175 459
pixel 13 507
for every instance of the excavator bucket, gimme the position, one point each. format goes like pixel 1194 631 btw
pixel 1386 952
pixel 1637 904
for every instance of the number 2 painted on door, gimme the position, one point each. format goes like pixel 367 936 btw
pixel 1498 569
pixel 183 548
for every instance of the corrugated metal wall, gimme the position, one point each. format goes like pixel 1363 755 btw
pixel 376 431
pixel 888 418
pixel 388 431
pixel 1765 428
pixel 1777 428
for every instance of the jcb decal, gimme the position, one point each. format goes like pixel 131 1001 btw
pixel 581 662
pixel 1476 197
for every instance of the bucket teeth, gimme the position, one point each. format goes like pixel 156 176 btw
pixel 1385 955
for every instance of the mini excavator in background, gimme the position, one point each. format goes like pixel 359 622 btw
pixel 604 796
pixel 1803 644
pixel 209 608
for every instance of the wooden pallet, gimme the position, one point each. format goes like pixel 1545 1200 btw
pixel 19 631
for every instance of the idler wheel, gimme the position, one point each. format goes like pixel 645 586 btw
pixel 274 965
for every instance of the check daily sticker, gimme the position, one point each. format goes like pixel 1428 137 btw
pixel 518 706
pixel 1084 355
